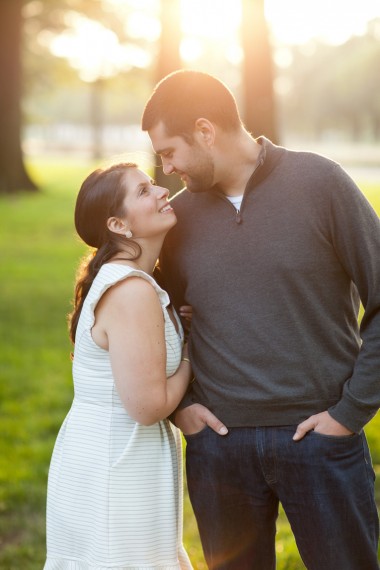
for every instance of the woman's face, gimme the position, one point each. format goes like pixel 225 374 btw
pixel 148 211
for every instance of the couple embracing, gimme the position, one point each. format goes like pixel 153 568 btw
pixel 273 249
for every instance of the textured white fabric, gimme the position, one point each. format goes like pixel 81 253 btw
pixel 236 201
pixel 115 486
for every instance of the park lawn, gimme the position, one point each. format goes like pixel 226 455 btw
pixel 39 254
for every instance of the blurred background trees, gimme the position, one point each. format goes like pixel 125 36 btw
pixel 89 66
pixel 13 175
pixel 168 60
pixel 333 91
pixel 259 104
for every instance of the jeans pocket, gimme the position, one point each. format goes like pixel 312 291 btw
pixel 197 434
pixel 348 437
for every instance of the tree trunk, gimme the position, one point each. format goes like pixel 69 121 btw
pixel 258 95
pixel 168 60
pixel 13 176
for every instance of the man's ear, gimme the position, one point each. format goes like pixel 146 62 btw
pixel 116 225
pixel 205 130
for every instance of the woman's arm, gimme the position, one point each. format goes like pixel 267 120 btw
pixel 131 319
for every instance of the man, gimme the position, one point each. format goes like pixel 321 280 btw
pixel 272 250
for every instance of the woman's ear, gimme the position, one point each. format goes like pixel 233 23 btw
pixel 205 131
pixel 116 225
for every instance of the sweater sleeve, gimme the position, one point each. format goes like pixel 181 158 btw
pixel 355 230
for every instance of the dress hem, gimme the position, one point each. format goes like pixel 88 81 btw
pixel 75 564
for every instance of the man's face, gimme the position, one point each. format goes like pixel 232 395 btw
pixel 192 162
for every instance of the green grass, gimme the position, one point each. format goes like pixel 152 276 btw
pixel 39 253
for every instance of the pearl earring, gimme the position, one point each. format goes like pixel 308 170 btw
pixel 128 234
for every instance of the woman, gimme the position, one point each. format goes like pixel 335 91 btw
pixel 114 491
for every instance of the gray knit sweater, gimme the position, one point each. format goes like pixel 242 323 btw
pixel 274 290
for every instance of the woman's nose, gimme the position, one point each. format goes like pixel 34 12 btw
pixel 162 192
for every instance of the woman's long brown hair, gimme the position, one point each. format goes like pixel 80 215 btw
pixel 100 197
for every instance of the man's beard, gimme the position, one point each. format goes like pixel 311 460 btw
pixel 202 178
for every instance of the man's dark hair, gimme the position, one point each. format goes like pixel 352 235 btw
pixel 184 96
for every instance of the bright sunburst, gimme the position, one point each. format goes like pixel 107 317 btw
pixel 96 51
pixel 291 21
pixel 297 21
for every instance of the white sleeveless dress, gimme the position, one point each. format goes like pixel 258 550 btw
pixel 115 486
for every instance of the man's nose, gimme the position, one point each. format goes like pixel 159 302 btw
pixel 167 167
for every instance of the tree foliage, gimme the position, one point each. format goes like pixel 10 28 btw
pixel 113 92
pixel 334 88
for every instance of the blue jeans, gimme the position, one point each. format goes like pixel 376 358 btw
pixel 324 483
